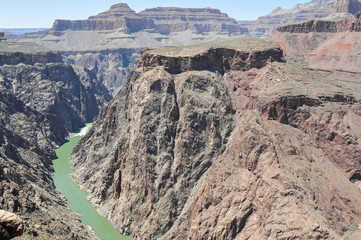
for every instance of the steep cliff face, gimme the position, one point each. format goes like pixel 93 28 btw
pixel 39 104
pixel 113 39
pixel 266 25
pixel 216 150
pixel 111 66
pixel 352 24
pixel 119 16
pixel 12 52
pixel 27 140
pixel 201 20
pixel 73 95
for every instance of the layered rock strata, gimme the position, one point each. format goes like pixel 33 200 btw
pixel 267 25
pixel 206 148
pixel 13 53
pixel 324 45
pixel 352 24
pixel 201 20
pixel 112 40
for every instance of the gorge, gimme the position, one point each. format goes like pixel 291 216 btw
pixel 226 139
pixel 210 134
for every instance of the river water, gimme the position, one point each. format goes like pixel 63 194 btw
pixel 77 198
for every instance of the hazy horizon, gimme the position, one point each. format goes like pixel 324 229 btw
pixel 42 13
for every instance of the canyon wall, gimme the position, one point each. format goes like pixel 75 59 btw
pixel 109 43
pixel 267 25
pixel 226 140
pixel 41 101
pixel 332 46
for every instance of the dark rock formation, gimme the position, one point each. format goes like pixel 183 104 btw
pixel 29 58
pixel 266 25
pixel 212 57
pixel 73 95
pixel 27 142
pixel 210 151
pixel 39 104
pixel 42 82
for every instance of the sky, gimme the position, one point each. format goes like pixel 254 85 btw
pixel 42 13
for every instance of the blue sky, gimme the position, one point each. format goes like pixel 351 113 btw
pixel 42 13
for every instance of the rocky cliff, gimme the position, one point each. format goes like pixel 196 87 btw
pixel 27 140
pixel 201 20
pixel 117 35
pixel 226 140
pixel 352 24
pixel 324 45
pixel 111 66
pixel 119 16
pixel 40 103
pixel 12 52
pixel 349 6
pixel 266 25
pixel 72 94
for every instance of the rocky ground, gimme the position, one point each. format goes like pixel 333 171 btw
pixel 227 140
pixel 41 101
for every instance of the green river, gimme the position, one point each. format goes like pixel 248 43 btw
pixel 77 198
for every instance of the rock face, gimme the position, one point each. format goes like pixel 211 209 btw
pixel 325 45
pixel 27 140
pixel 11 225
pixel 253 146
pixel 349 6
pixel 39 104
pixel 266 25
pixel 201 20
pixel 119 16
pixel 117 35
pixel 12 52
pixel 72 94
pixel 352 24
pixel 111 66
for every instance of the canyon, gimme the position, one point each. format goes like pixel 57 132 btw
pixel 226 139
pixel 209 134
pixel 95 43
pixel 41 101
